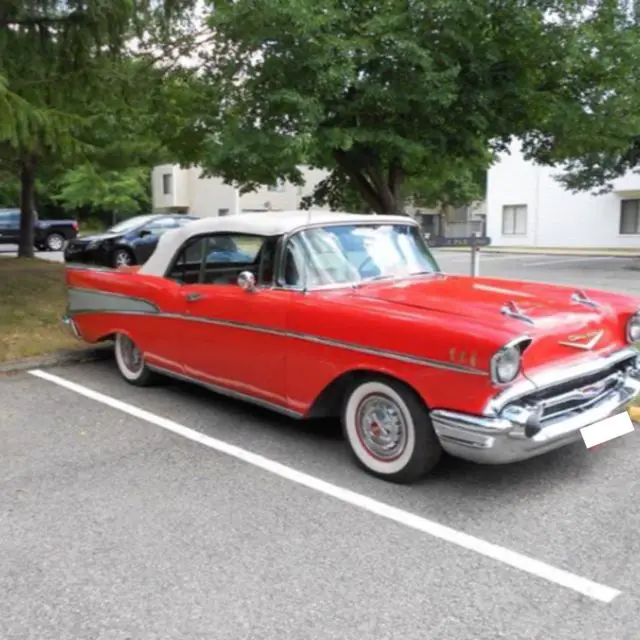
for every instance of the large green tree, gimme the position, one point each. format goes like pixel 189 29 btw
pixel 388 93
pixel 69 88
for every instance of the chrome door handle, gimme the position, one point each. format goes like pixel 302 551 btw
pixel 192 297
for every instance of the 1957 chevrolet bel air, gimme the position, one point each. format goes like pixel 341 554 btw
pixel 330 314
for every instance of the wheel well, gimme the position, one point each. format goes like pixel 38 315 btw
pixel 329 401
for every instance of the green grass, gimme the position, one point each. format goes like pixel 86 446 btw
pixel 33 298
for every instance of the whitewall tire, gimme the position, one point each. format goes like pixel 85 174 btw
pixel 388 430
pixel 130 361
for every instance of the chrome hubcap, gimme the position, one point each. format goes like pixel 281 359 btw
pixel 122 259
pixel 131 355
pixel 381 427
pixel 55 243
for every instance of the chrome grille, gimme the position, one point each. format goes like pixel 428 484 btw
pixel 579 394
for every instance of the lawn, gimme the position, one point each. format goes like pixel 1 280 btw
pixel 32 301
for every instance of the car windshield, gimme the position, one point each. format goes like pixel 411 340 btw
pixel 351 254
pixel 130 224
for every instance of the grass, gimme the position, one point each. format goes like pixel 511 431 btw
pixel 32 300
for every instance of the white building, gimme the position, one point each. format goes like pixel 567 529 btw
pixel 184 190
pixel 527 207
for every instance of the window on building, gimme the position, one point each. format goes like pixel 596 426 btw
pixel 630 217
pixel 167 184
pixel 278 186
pixel 223 212
pixel 514 220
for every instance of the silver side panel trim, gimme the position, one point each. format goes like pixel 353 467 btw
pixel 87 300
pixel 83 301
pixel 224 391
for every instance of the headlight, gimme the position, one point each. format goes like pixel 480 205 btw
pixel 93 244
pixel 505 365
pixel 633 329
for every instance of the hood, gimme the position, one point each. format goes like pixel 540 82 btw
pixel 554 318
pixel 98 237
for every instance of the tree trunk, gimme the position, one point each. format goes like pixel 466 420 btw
pixel 381 194
pixel 27 208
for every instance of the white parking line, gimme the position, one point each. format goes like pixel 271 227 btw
pixel 500 554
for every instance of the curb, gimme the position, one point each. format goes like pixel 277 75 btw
pixel 634 413
pixel 70 356
pixel 533 251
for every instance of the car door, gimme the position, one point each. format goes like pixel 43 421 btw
pixel 9 227
pixel 235 338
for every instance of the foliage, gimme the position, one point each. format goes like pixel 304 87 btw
pixel 125 191
pixel 386 93
pixel 71 90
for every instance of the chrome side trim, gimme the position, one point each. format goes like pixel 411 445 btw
pixel 224 391
pixel 553 376
pixel 338 344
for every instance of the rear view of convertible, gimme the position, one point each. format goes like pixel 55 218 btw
pixel 329 314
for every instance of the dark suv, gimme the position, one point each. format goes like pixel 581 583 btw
pixel 51 235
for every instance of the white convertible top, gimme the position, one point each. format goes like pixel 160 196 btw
pixel 268 223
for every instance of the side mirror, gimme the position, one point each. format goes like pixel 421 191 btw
pixel 144 232
pixel 247 281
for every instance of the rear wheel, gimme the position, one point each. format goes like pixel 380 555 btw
pixel 131 362
pixel 122 258
pixel 55 242
pixel 389 431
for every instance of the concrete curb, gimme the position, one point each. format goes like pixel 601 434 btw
pixel 634 413
pixel 70 356
pixel 540 251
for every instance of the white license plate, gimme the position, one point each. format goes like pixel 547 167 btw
pixel 607 429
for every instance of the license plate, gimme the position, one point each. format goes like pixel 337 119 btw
pixel 608 429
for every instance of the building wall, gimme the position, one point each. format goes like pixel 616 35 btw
pixel 555 217
pixel 211 197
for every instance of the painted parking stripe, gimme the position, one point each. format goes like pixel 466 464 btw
pixel 500 554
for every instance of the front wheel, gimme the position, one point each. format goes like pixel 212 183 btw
pixel 122 258
pixel 131 362
pixel 389 430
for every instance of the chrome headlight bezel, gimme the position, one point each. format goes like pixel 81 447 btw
pixel 632 330
pixel 506 363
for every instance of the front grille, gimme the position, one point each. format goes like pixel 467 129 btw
pixel 579 394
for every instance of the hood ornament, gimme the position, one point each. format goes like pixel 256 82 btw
pixel 582 298
pixel 584 341
pixel 512 310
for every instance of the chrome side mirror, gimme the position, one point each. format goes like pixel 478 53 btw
pixel 247 281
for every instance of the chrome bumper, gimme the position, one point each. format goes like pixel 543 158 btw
pixel 513 435
pixel 69 324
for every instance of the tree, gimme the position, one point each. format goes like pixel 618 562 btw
pixel 59 61
pixel 125 191
pixel 387 92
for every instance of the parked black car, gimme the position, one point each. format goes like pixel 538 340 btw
pixel 129 242
pixel 49 235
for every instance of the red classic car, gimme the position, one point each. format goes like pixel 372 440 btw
pixel 329 314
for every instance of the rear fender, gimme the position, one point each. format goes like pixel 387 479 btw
pixel 105 301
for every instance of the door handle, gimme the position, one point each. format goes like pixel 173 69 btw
pixel 193 297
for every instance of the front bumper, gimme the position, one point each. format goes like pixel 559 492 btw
pixel 518 433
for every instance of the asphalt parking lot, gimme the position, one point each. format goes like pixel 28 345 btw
pixel 609 273
pixel 172 512
pixel 118 522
